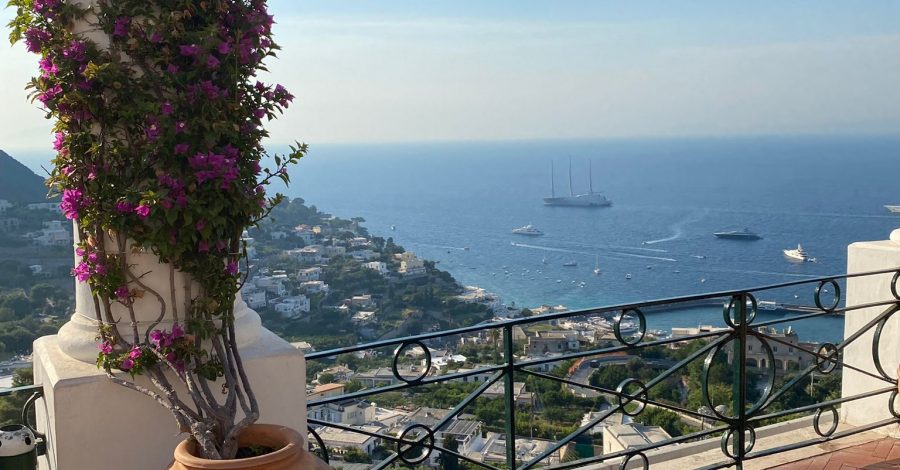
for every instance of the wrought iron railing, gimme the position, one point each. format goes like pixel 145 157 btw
pixel 33 394
pixel 755 389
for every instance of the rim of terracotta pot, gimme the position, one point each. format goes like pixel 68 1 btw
pixel 273 435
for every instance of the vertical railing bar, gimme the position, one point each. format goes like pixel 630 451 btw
pixel 740 397
pixel 510 395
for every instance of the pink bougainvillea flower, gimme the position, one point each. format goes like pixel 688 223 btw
pixel 124 207
pixel 232 268
pixel 123 294
pixel 120 28
pixel 105 347
pixel 127 364
pixel 189 50
pixel 143 211
pixel 58 141
pixel 100 269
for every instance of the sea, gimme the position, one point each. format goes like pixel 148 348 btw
pixel 457 202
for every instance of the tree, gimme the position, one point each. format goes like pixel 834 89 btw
pixel 448 460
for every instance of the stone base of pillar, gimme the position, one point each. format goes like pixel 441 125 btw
pixel 91 422
pixel 862 257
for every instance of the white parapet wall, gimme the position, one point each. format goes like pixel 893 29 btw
pixel 862 257
pixel 91 422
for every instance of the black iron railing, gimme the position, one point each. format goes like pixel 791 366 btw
pixel 757 378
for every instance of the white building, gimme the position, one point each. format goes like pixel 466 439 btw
pixel 272 284
pixel 339 439
pixel 4 204
pixel 363 317
pixel 332 251
pixel 628 436
pixel 365 255
pixel 362 301
pixel 359 241
pixel 44 206
pixel 53 234
pixel 309 274
pixel 293 307
pixel 352 412
pixel 379 267
pixel 311 254
pixel 410 265
pixel 611 420
pixel 305 233
pixel 255 298
pixel 314 287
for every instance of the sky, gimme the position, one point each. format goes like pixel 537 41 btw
pixel 412 71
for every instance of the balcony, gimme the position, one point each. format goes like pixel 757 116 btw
pixel 601 389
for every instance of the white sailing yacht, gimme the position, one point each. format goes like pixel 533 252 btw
pixel 589 199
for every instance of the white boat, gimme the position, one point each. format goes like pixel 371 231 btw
pixel 597 266
pixel 796 255
pixel 570 264
pixel 528 230
pixel 627 275
pixel 588 199
pixel 893 209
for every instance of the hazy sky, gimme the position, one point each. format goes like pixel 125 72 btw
pixel 388 71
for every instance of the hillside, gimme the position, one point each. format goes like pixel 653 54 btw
pixel 18 183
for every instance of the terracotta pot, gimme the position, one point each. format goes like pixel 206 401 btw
pixel 290 456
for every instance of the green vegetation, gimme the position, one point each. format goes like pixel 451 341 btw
pixel 11 405
pixel 404 305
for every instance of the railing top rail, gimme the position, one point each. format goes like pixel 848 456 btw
pixel 23 389
pixel 591 311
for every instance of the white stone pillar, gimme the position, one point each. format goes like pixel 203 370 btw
pixel 92 423
pixel 862 257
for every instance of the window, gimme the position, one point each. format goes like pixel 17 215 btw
pixel 775 348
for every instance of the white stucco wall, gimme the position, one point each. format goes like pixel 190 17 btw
pixel 862 257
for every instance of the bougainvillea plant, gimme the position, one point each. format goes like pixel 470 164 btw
pixel 158 133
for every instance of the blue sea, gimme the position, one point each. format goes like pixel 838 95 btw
pixel 456 203
pixel 669 196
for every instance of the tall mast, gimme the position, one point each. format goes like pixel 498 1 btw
pixel 571 193
pixel 590 177
pixel 552 189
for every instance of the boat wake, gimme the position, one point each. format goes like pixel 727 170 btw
pixel 443 247
pixel 678 227
pixel 615 253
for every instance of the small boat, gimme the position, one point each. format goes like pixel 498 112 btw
pixel 570 264
pixel 543 260
pixel 627 275
pixel 465 248
pixel 744 234
pixel 798 255
pixel 893 209
pixel 702 280
pixel 699 256
pixel 597 266
pixel 649 267
pixel 393 228
pixel 528 230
